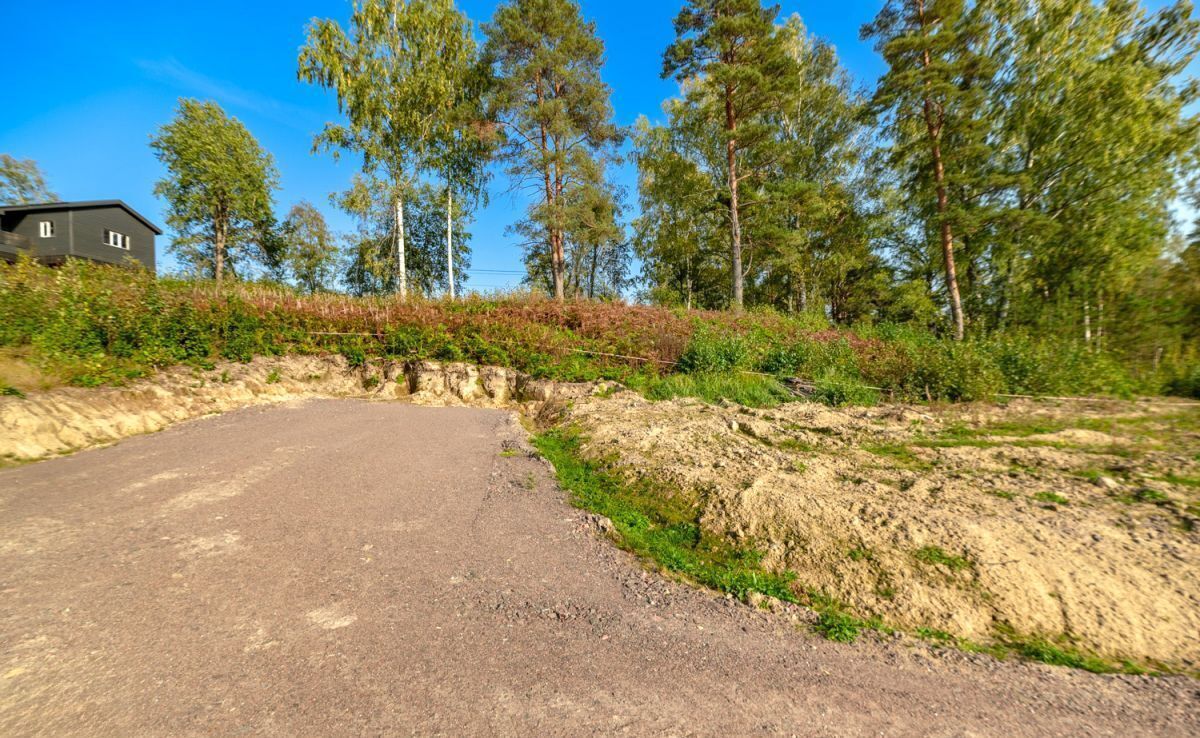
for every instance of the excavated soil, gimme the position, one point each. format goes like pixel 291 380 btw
pixel 1074 523
pixel 65 419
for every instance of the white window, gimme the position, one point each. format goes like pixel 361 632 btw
pixel 46 228
pixel 120 240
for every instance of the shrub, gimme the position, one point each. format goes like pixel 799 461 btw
pixel 709 352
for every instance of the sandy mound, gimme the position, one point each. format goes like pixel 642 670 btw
pixel 902 513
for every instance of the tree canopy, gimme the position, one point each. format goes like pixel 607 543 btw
pixel 218 188
pixel 22 182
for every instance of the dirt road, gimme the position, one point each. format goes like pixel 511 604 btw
pixel 354 568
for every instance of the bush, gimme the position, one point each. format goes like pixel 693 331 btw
pixel 709 352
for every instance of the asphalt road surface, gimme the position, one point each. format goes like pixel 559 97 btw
pixel 356 568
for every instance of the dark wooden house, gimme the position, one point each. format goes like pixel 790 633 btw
pixel 107 231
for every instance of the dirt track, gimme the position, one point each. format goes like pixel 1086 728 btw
pixel 349 568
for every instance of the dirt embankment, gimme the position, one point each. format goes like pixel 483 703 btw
pixel 1080 526
pixel 65 419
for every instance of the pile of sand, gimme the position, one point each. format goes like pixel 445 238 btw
pixel 991 536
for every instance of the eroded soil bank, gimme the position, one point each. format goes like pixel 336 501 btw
pixel 1073 523
pixel 46 423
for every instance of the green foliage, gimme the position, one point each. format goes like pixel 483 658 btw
pixel 709 352
pixel 935 556
pixel 744 389
pixel 838 626
pixel 22 181
pixel 1051 498
pixel 308 254
pixel 556 126
pixel 659 525
pixel 408 79
pixel 218 204
pixel 95 325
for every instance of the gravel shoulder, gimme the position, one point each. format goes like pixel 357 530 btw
pixel 351 567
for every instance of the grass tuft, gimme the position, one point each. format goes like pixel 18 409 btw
pixel 934 556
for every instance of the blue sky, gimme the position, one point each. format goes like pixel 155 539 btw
pixel 90 82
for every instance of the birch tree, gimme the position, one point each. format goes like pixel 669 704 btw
pixel 400 74
pixel 22 182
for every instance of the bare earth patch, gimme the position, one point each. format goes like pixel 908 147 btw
pixel 1076 524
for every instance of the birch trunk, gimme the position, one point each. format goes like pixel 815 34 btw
pixel 401 273
pixel 450 240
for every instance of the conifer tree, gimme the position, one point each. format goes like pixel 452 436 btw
pixel 553 109
pixel 732 57
pixel 932 97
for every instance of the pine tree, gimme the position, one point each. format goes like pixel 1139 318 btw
pixel 933 96
pixel 732 58
pixel 554 111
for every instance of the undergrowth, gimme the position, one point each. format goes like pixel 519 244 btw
pixel 93 324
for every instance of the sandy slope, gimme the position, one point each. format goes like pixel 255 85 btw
pixel 1034 539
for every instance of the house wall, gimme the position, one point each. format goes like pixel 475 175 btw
pixel 89 226
pixel 26 224
pixel 80 233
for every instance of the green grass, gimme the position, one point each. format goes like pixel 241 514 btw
pixel 838 626
pixel 750 390
pixel 933 634
pixel 934 556
pixel 659 525
pixel 7 390
pixel 860 553
pixel 1145 494
pixel 794 445
pixel 92 325
pixel 900 455
pixel 273 377
pixel 1051 498
pixel 1181 480
pixel 1037 648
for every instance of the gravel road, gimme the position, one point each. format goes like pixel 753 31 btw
pixel 366 568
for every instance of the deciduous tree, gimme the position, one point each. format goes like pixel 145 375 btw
pixel 309 253
pixel 218 188
pixel 402 74
pixel 22 182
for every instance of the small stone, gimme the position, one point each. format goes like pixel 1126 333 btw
pixel 733 425
pixel 1107 483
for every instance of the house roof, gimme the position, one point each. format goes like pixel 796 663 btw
pixel 80 205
